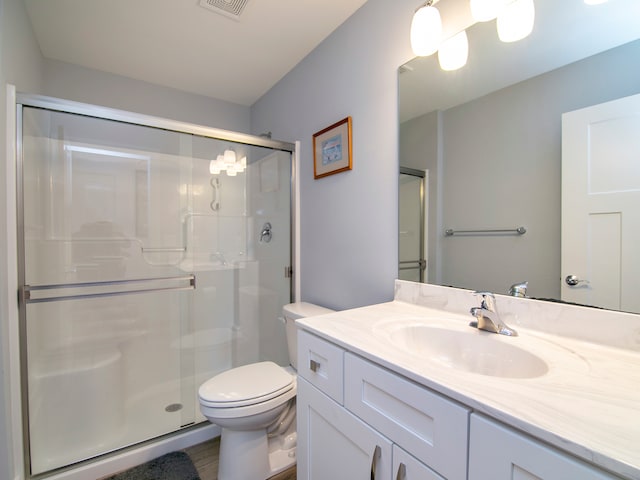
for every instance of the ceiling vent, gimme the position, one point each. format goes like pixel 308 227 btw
pixel 230 9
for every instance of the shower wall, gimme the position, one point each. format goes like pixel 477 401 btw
pixel 143 275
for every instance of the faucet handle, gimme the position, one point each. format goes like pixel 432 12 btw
pixel 488 300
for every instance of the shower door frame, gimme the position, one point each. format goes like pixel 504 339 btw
pixel 421 263
pixel 105 113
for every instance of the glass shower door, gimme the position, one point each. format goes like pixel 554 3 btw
pixel 106 302
pixel 150 260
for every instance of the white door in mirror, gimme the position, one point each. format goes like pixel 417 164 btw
pixel 600 198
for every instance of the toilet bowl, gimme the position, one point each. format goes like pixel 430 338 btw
pixel 255 406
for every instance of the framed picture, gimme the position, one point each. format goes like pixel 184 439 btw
pixel 332 149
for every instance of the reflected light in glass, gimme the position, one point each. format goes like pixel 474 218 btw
pixel 242 165
pixel 426 31
pixel 454 52
pixel 229 157
pixel 214 169
pixel 486 10
pixel 516 20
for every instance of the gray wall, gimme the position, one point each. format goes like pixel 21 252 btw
pixel 501 169
pixel 420 148
pixel 349 236
pixel 20 65
pixel 73 82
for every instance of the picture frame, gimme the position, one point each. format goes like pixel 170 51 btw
pixel 332 149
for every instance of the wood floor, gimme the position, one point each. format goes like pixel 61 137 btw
pixel 205 458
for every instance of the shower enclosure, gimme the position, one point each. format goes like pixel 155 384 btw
pixel 144 269
pixel 412 263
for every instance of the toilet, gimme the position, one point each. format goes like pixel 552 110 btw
pixel 255 406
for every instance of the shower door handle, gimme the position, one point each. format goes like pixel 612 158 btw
pixel 55 293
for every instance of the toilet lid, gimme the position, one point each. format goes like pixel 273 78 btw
pixel 246 385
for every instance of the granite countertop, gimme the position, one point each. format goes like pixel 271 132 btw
pixel 587 403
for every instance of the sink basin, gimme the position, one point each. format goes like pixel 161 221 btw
pixel 472 351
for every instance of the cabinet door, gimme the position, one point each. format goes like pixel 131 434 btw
pixel 429 426
pixel 335 445
pixel 407 467
pixel 500 453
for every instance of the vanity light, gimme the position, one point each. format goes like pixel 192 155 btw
pixel 454 51
pixel 486 10
pixel 426 30
pixel 594 2
pixel 516 20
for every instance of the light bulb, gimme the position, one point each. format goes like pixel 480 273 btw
pixel 426 31
pixel 242 165
pixel 515 22
pixel 229 157
pixel 220 162
pixel 594 2
pixel 454 52
pixel 486 10
pixel 213 167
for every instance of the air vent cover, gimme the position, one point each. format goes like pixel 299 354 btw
pixel 231 8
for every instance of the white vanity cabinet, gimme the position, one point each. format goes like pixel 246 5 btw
pixel 334 444
pixel 429 426
pixel 501 453
pixel 359 420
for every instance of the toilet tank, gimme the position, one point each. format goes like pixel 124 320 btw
pixel 291 312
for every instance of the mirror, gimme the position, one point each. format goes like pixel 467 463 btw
pixel 490 137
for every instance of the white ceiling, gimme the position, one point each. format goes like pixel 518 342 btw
pixel 179 44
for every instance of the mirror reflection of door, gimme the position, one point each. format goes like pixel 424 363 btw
pixel 600 198
pixel 412 223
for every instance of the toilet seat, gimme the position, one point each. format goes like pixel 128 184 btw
pixel 246 385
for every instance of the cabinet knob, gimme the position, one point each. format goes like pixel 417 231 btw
pixel 402 472
pixel 314 366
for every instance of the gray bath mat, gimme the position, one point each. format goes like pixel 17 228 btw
pixel 172 466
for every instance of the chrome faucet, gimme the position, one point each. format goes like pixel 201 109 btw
pixel 519 289
pixel 487 317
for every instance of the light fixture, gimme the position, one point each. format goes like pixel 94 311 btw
pixel 454 51
pixel 242 166
pixel 217 165
pixel 426 30
pixel 228 162
pixel 486 10
pixel 515 21
pixel 594 2
pixel 229 157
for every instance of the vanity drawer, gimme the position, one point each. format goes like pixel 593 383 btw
pixel 427 425
pixel 321 363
